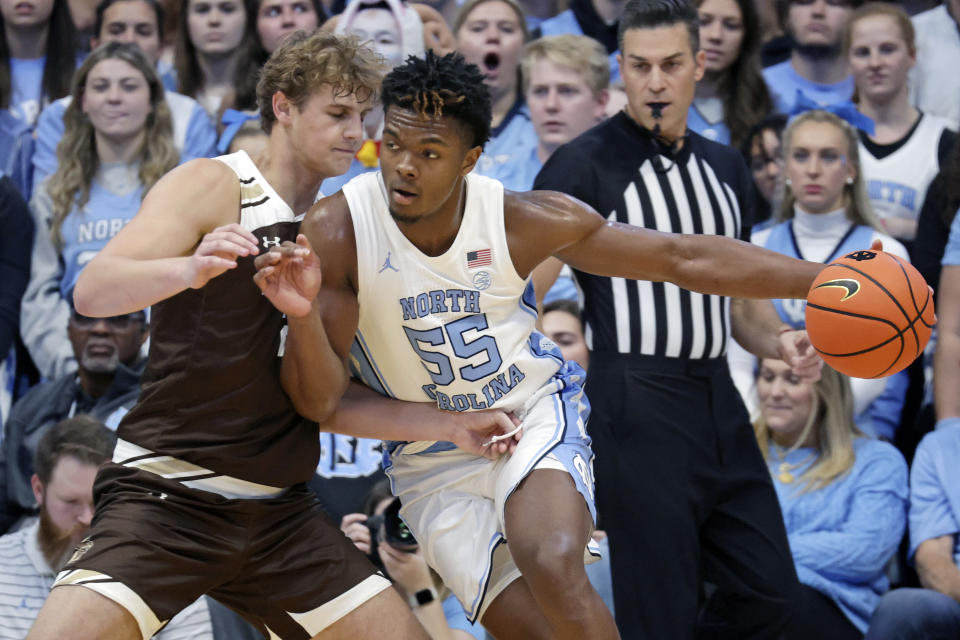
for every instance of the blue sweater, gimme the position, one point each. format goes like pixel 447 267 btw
pixel 841 536
pixel 114 199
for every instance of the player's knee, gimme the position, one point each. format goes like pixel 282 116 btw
pixel 553 561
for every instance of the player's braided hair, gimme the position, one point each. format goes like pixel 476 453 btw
pixel 437 86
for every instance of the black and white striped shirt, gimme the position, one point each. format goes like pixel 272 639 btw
pixel 618 169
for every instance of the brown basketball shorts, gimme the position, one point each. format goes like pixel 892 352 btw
pixel 155 546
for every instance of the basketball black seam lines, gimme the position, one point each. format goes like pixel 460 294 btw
pixel 892 297
pixel 920 310
pixel 913 299
pixel 898 334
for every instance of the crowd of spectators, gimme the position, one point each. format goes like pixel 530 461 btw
pixel 844 112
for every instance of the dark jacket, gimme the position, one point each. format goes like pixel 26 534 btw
pixel 38 410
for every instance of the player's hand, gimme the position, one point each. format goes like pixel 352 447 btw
pixel 409 570
pixel 354 528
pixel 877 245
pixel 289 276
pixel 797 351
pixel 218 252
pixel 485 433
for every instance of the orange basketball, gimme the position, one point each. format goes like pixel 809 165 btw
pixel 869 314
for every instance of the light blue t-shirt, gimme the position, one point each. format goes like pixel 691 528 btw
pixel 85 232
pixel 716 131
pixel 26 80
pixel 951 255
pixel 783 82
pixel 935 489
pixel 522 169
pixel 509 146
pixel 331 185
pixel 842 536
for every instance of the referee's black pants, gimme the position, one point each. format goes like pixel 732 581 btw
pixel 686 498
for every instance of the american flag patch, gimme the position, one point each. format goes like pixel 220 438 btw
pixel 480 258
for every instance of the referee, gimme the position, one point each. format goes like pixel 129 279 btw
pixel 682 488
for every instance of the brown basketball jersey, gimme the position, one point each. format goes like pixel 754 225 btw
pixel 211 391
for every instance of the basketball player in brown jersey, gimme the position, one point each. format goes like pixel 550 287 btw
pixel 206 490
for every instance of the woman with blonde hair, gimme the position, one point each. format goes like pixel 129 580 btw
pixel 843 497
pixel 907 148
pixel 117 143
pixel 824 214
pixel 491 35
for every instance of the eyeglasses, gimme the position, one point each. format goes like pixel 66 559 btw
pixel 115 322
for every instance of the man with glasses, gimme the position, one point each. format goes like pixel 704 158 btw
pixel 105 385
pixel 817 67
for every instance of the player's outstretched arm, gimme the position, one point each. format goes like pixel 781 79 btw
pixel 548 223
pixel 185 233
pixel 364 413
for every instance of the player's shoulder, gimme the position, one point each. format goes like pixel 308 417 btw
pixel 202 175
pixel 329 215
pixel 542 211
pixel 543 200
pixel 328 226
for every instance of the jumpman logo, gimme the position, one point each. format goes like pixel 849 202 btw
pixel 387 265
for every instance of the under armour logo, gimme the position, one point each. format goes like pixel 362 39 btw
pixel 860 256
pixel 387 265
pixel 268 242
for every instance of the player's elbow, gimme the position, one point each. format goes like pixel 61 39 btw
pixel 317 408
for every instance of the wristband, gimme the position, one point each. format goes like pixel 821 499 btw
pixel 422 597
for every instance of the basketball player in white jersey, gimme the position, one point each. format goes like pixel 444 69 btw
pixel 426 297
pixel 206 492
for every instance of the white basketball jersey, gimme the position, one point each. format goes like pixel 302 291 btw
pixel 897 184
pixel 456 329
pixel 260 206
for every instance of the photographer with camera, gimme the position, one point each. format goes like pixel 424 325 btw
pixel 382 535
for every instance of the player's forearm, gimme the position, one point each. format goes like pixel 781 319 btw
pixel 756 326
pixel 312 374
pixel 364 413
pixel 722 266
pixel 115 285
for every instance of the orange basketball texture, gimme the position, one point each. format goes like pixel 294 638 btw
pixel 869 314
